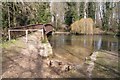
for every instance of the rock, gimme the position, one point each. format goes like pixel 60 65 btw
pixel 26 75
pixel 46 51
pixel 93 56
pixel 25 52
pixel 53 63
pixel 64 68
pixel 50 63
pixel 59 65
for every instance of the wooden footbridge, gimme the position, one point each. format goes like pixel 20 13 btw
pixel 45 29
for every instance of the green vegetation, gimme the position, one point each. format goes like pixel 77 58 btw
pixel 44 15
pixel 13 42
pixel 83 26
pixel 70 13
pixel 44 40
pixel 15 14
pixel 8 43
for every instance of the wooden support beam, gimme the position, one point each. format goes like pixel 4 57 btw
pixel 26 35
pixel 24 30
pixel 42 33
pixel 17 30
pixel 9 35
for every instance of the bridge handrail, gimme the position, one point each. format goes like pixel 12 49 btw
pixel 26 31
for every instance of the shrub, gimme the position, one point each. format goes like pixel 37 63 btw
pixel 83 26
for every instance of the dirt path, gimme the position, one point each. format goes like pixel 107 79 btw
pixel 23 60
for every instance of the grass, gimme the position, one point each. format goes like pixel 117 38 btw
pixel 11 48
pixel 44 40
pixel 7 43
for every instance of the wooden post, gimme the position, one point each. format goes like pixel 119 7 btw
pixel 9 34
pixel 26 35
pixel 42 33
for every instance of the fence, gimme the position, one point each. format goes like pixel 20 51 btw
pixel 26 32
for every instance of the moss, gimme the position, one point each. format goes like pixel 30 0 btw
pixel 44 40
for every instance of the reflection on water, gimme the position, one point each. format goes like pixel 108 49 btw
pixel 96 42
pixel 75 49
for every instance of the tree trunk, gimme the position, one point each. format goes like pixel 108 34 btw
pixel 8 17
pixel 78 9
pixel 85 9
pixel 14 17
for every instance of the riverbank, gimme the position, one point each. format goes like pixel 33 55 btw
pixel 96 33
pixel 106 65
pixel 103 64
pixel 58 32
pixel 24 60
pixel 83 51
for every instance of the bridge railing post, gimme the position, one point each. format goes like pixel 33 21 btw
pixel 9 35
pixel 42 33
pixel 26 35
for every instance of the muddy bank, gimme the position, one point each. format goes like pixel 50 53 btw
pixel 95 33
pixel 103 64
pixel 61 33
pixel 99 64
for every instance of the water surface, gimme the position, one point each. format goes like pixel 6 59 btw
pixel 81 46
pixel 75 49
